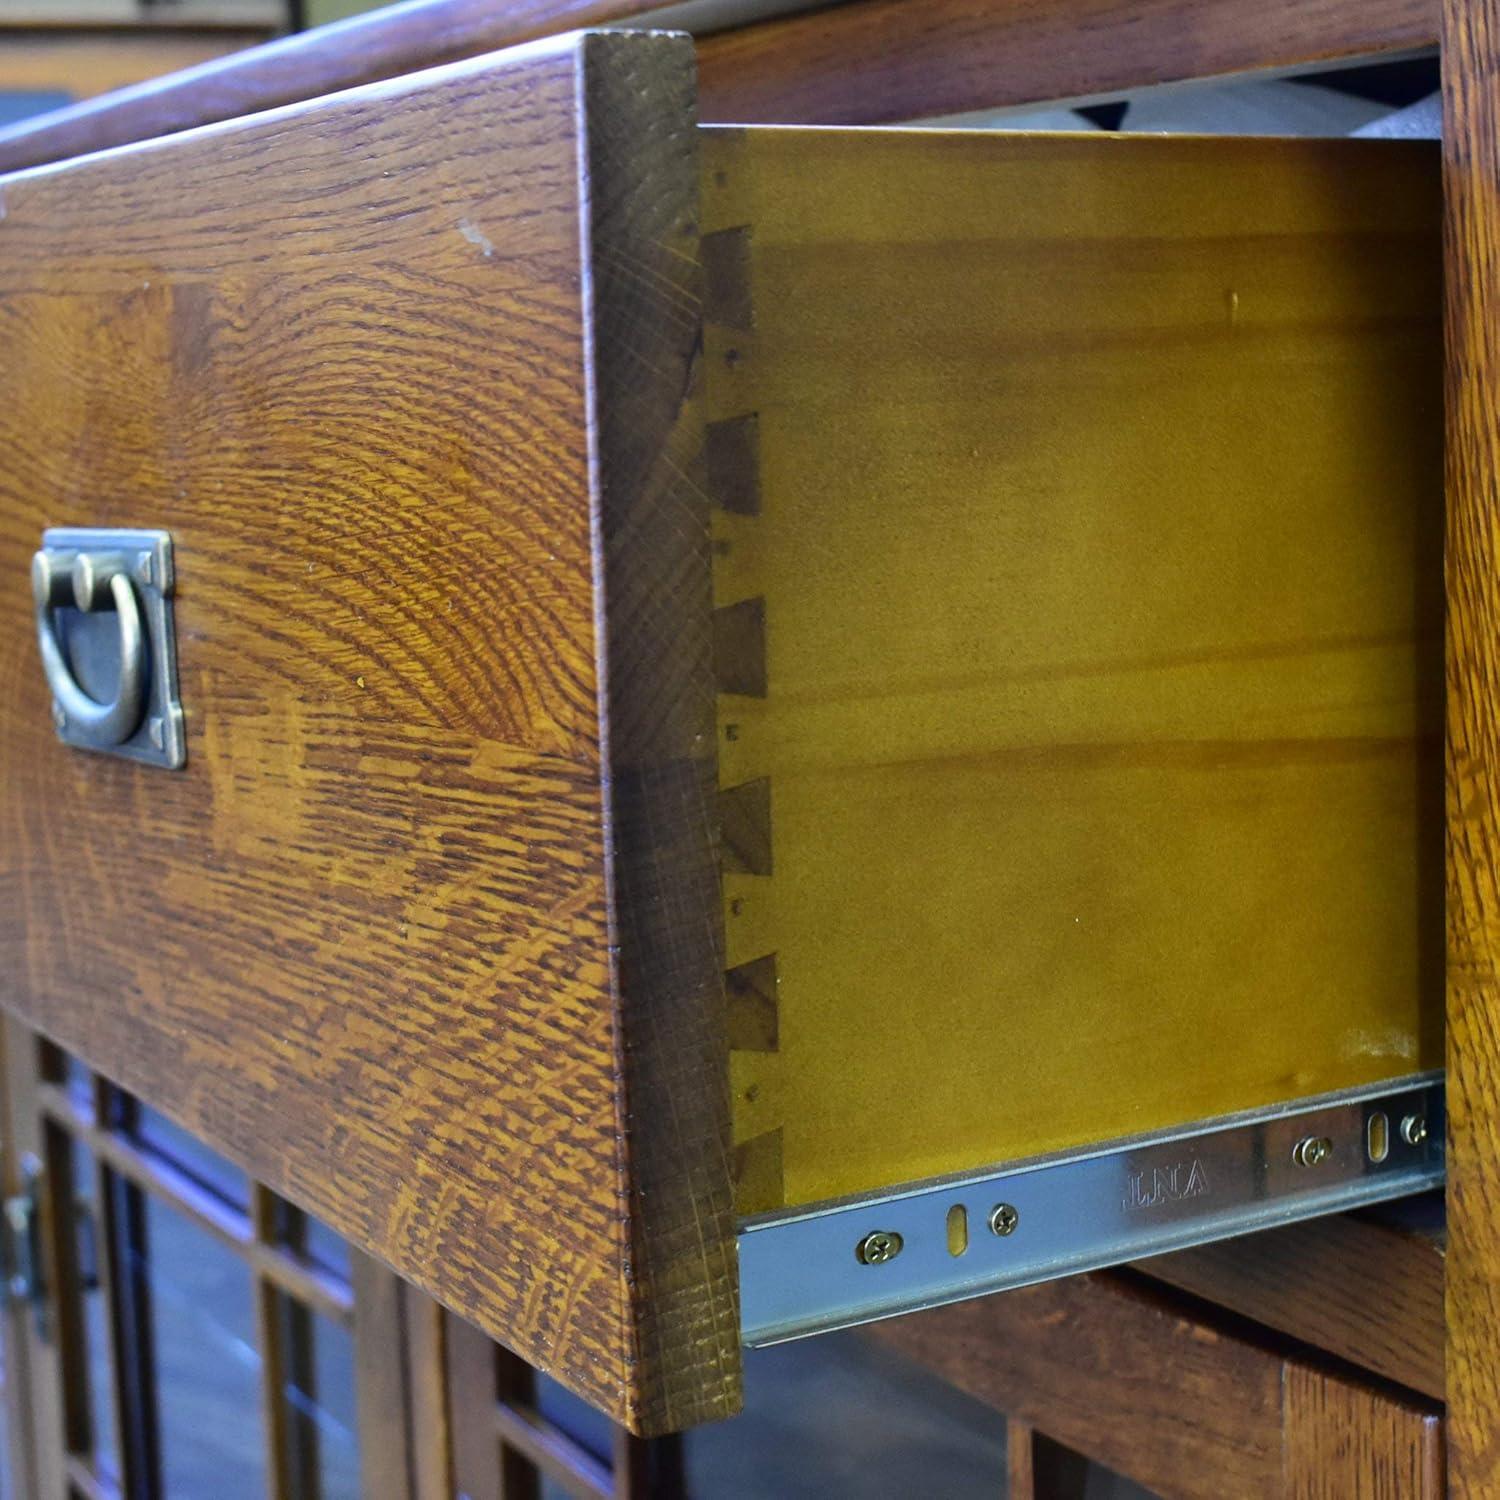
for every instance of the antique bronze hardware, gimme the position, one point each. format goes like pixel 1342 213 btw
pixel 105 632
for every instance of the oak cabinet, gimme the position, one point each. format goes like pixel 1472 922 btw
pixel 849 716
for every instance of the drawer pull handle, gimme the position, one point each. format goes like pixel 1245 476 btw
pixel 90 582
pixel 105 622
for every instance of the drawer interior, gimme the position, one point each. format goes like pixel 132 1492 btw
pixel 1078 586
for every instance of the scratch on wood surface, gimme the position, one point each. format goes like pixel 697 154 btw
pixel 476 236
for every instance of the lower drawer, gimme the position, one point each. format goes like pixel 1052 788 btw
pixel 911 753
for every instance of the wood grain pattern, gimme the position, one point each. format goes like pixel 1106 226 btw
pixel 1174 1400
pixel 1361 1290
pixel 1471 161
pixel 658 697
pixel 1097 568
pixel 880 61
pixel 865 62
pixel 1020 1447
pixel 425 936
pixel 1352 1442
pixel 1086 1361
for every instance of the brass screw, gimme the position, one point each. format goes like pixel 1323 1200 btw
pixel 1312 1150
pixel 1003 1219
pixel 1414 1129
pixel 878 1247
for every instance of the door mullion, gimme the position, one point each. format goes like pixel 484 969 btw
pixel 110 1290
pixel 126 1254
pixel 424 1358
pixel 648 1468
pixel 473 1387
pixel 63 1284
pixel 271 1328
pixel 381 1390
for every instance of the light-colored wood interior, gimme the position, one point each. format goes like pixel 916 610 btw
pixel 1079 579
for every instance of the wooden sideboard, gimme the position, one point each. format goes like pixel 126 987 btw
pixel 1339 1340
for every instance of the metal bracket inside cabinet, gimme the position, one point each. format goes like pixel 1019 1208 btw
pixel 854 1260
pixel 105 632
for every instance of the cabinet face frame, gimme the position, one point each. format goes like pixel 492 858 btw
pixel 1471 159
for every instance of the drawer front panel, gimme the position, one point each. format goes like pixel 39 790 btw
pixel 354 357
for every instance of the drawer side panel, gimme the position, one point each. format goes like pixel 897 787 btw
pixel 1080 606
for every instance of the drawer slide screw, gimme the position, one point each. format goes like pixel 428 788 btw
pixel 878 1247
pixel 1003 1219
pixel 1312 1151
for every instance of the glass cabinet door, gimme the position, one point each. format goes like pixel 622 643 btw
pixel 179 1330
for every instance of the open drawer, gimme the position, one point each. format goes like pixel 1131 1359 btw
pixel 775 725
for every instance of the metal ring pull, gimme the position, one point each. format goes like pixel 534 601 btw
pixel 91 581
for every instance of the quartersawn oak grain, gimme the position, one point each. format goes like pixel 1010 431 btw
pixel 1471 160
pixel 426 934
